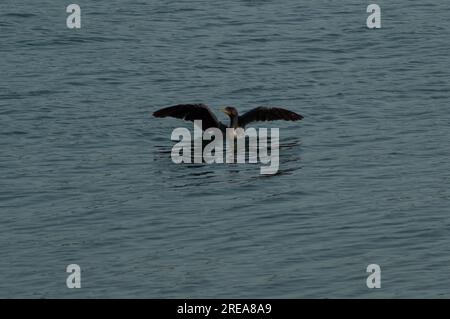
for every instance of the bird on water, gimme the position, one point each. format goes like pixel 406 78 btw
pixel 192 112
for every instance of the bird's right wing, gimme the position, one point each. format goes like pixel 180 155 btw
pixel 263 113
pixel 191 112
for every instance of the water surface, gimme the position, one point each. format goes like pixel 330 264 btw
pixel 86 175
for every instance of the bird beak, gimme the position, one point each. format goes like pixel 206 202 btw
pixel 224 111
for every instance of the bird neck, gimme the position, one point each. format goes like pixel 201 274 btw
pixel 233 121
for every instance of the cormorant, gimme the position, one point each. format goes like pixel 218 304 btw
pixel 192 112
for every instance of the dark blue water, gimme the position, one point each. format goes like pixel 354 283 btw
pixel 86 175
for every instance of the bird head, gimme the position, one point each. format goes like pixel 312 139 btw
pixel 230 111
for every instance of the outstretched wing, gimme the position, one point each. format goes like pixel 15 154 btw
pixel 263 113
pixel 191 112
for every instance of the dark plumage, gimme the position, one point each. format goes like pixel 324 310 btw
pixel 191 112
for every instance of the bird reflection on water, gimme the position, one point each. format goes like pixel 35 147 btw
pixel 290 160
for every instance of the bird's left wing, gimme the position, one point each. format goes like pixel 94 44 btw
pixel 191 112
pixel 263 113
